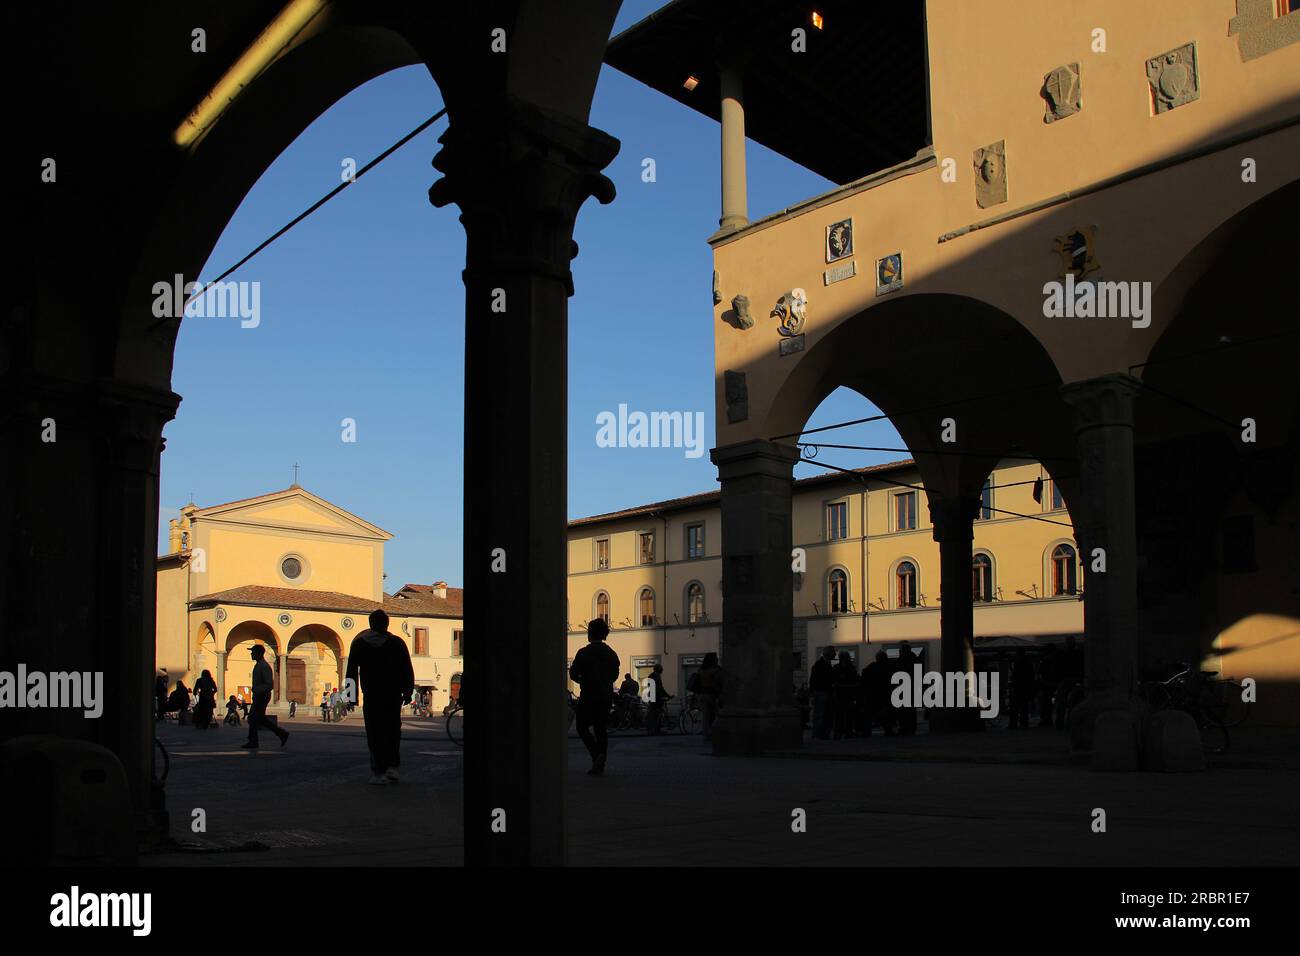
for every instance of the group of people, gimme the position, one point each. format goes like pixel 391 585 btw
pixel 1054 682
pixel 845 703
pixel 378 662
pixel 178 701
pixel 595 669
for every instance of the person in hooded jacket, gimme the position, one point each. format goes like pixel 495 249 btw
pixel 387 680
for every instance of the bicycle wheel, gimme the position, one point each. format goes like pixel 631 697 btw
pixel 1229 703
pixel 456 727
pixel 690 720
pixel 158 749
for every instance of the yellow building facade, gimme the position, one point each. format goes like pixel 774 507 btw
pixel 870 579
pixel 299 575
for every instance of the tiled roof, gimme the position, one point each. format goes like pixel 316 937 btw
pixel 261 596
pixel 711 497
pixel 421 597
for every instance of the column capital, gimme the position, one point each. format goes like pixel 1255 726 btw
pixel 758 456
pixel 132 419
pixel 954 518
pixel 1104 401
pixel 519 175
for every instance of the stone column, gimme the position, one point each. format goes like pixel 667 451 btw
pixel 131 420
pixel 953 520
pixel 519 176
pixel 221 680
pixel 757 477
pixel 735 202
pixel 343 671
pixel 282 665
pixel 1105 518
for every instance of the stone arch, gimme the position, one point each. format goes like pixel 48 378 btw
pixel 320 649
pixel 953 358
pixel 239 663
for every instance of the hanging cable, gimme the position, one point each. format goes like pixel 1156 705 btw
pixel 320 202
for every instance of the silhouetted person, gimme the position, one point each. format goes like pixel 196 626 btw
pixel 1049 675
pixel 232 711
pixel 1022 689
pixel 875 691
pixel 803 697
pixel 206 689
pixel 160 695
pixel 179 701
pixel 655 713
pixel 594 669
pixel 844 685
pixel 263 684
pixel 710 680
pixel 905 663
pixel 388 681
pixel 1071 681
pixel 629 687
pixel 821 682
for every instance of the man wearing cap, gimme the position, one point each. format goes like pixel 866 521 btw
pixel 263 683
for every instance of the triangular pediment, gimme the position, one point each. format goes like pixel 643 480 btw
pixel 293 509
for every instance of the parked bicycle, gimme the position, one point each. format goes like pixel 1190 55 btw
pixel 691 720
pixel 1214 703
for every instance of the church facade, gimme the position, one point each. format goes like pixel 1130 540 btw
pixel 299 575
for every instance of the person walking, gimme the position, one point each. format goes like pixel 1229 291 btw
pixel 325 706
pixel 387 680
pixel 263 683
pixel 594 670
pixel 820 682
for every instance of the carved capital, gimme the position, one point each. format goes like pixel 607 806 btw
pixel 519 175
pixel 131 420
pixel 1102 402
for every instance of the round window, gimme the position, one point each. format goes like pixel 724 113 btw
pixel 291 568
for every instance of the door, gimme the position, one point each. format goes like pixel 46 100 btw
pixel 297 676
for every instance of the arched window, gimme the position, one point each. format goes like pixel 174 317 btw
pixel 602 606
pixel 981 569
pixel 1064 570
pixel 694 603
pixel 905 579
pixel 839 591
pixel 647 604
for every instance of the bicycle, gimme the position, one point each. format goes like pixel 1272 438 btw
pixel 1204 697
pixel 456 725
pixel 691 720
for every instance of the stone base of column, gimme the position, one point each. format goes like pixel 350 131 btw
pixel 740 731
pixel 1111 750
pixel 954 720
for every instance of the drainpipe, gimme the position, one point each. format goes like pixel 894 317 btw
pixel 866 566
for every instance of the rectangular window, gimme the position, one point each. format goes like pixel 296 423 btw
pixel 647 547
pixel 421 640
pixel 905 511
pixel 986 501
pixel 694 541
pixel 457 644
pixel 837 521
pixel 602 554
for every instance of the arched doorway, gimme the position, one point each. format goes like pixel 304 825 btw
pixel 240 640
pixel 315 664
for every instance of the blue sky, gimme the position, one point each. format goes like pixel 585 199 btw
pixel 362 317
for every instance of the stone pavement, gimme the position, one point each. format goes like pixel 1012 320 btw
pixel 998 798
